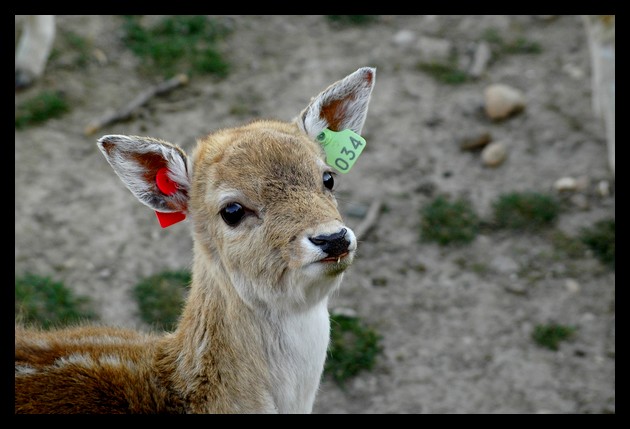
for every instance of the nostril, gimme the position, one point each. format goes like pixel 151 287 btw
pixel 332 244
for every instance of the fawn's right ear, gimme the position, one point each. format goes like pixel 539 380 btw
pixel 156 172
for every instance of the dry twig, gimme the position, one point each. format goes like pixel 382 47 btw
pixel 140 100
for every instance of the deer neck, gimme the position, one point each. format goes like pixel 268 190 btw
pixel 238 357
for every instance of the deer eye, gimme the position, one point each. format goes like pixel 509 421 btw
pixel 329 182
pixel 232 214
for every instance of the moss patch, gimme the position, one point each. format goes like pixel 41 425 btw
pixel 161 297
pixel 43 302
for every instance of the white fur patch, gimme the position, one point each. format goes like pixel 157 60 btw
pixel 24 370
pixel 297 357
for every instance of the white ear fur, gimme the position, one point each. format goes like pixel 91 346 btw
pixel 342 105
pixel 136 161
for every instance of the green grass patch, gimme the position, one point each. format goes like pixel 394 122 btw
pixel 449 222
pixel 522 45
pixel 161 297
pixel 525 210
pixel 43 302
pixel 550 335
pixel 567 246
pixel 178 44
pixel 353 348
pixel 39 109
pixel 352 19
pixel 600 238
pixel 447 73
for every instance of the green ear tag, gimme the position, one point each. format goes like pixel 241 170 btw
pixel 342 148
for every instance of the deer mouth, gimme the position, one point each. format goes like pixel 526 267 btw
pixel 336 259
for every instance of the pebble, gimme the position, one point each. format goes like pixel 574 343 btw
pixel 573 71
pixel 494 154
pixel 603 188
pixel 502 101
pixel 404 38
pixel 475 142
pixel 572 286
pixel 480 60
pixel 565 184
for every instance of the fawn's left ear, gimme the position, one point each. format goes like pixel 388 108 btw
pixel 155 171
pixel 343 105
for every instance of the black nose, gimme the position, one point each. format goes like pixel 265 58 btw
pixel 334 244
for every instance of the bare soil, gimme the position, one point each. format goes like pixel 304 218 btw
pixel 456 321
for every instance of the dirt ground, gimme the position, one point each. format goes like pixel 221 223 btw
pixel 456 321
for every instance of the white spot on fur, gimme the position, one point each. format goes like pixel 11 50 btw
pixel 24 370
pixel 74 359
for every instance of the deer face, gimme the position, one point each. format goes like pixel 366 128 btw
pixel 260 197
pixel 262 203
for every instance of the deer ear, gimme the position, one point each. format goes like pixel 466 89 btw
pixel 343 105
pixel 156 172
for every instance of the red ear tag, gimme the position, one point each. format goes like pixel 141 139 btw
pixel 168 219
pixel 168 187
pixel 164 183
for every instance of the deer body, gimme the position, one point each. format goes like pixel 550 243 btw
pixel 269 248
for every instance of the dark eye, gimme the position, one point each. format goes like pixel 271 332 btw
pixel 329 182
pixel 233 213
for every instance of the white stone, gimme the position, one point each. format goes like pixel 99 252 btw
pixel 572 286
pixel 603 188
pixel 480 60
pixel 404 38
pixel 502 101
pixel 494 154
pixel 565 184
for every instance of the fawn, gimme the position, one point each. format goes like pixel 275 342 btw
pixel 269 248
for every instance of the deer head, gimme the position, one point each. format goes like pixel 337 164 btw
pixel 260 198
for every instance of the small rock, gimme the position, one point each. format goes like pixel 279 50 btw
pixel 100 56
pixel 502 101
pixel 494 154
pixel 475 142
pixel 565 184
pixel 573 71
pixel 572 286
pixel 434 50
pixel 404 38
pixel 480 60
pixel 515 287
pixel 603 188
